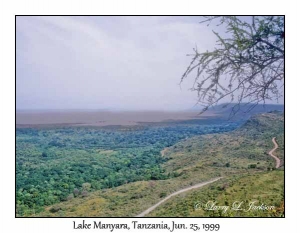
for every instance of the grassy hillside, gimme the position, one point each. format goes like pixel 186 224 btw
pixel 260 189
pixel 242 111
pixel 238 149
pixel 239 156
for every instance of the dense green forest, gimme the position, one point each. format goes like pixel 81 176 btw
pixel 58 164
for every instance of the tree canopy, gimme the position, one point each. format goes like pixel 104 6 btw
pixel 250 60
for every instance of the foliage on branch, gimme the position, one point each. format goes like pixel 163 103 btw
pixel 250 61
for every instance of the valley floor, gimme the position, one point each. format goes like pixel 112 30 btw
pixel 241 157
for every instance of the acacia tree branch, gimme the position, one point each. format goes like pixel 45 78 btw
pixel 252 56
pixel 271 45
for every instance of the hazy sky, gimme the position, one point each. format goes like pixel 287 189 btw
pixel 107 62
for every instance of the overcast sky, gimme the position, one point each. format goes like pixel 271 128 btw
pixel 126 63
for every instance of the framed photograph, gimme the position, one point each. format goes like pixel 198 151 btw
pixel 150 122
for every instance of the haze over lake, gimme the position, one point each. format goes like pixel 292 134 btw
pixel 101 118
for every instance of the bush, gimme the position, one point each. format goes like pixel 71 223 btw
pixel 71 196
pixel 76 192
pixel 252 166
pixel 163 194
pixel 55 209
pixel 86 186
pixel 84 193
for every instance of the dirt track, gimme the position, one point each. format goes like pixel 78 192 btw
pixel 271 152
pixel 204 183
pixel 176 193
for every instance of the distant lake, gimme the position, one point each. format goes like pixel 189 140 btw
pixel 100 118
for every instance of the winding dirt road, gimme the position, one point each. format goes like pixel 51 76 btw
pixel 271 152
pixel 176 193
pixel 204 183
